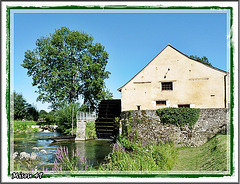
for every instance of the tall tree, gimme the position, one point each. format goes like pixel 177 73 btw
pixel 32 113
pixel 20 106
pixel 67 65
pixel 42 114
pixel 203 59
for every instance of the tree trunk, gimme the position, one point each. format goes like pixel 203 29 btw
pixel 72 117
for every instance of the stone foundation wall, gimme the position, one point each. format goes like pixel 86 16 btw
pixel 146 126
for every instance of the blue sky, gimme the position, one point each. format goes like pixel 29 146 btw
pixel 131 39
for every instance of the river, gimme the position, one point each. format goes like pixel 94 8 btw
pixel 94 150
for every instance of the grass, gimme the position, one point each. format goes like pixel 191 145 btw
pixel 212 156
pixel 129 156
pixel 26 122
pixel 23 126
pixel 153 157
pixel 132 156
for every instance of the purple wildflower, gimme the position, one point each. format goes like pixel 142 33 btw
pixel 114 147
pixel 55 163
pixel 65 151
pixel 58 151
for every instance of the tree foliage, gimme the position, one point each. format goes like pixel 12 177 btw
pixel 32 113
pixel 203 59
pixel 19 106
pixel 22 109
pixel 50 117
pixel 42 114
pixel 47 118
pixel 67 65
pixel 63 117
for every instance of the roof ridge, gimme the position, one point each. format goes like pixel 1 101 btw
pixel 141 69
pixel 197 60
pixel 169 45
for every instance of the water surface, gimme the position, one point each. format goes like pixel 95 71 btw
pixel 94 150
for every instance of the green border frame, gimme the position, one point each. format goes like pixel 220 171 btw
pixel 114 7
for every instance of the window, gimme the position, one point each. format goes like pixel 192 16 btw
pixel 138 107
pixel 184 105
pixel 158 102
pixel 167 86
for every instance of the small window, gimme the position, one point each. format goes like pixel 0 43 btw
pixel 161 102
pixel 167 86
pixel 138 107
pixel 184 105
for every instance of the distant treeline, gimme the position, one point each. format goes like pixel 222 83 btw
pixel 62 116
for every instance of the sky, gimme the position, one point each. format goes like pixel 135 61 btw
pixel 131 38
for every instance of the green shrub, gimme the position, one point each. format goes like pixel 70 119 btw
pixel 90 130
pixel 179 116
pixel 35 129
pixel 129 145
pixel 20 127
pixel 69 131
pixel 63 117
pixel 151 158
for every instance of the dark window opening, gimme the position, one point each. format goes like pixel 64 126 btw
pixel 161 102
pixel 184 105
pixel 167 86
pixel 138 107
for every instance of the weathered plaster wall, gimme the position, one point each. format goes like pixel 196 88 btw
pixel 194 83
pixel 147 127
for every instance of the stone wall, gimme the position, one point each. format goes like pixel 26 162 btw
pixel 146 126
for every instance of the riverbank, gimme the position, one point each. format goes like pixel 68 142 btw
pixel 212 156
pixel 24 127
pixel 31 126
pixel 30 144
pixel 128 156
